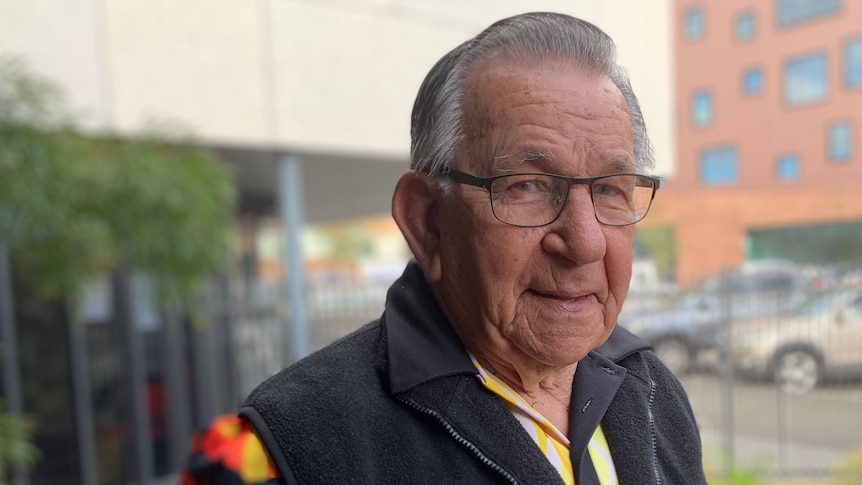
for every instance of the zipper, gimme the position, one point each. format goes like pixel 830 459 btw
pixel 460 439
pixel 652 432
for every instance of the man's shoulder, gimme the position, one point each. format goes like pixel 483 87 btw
pixel 352 361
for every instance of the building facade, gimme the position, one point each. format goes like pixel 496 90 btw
pixel 768 107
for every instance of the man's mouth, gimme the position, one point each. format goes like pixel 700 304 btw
pixel 571 302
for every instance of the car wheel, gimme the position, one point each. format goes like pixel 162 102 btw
pixel 796 371
pixel 675 354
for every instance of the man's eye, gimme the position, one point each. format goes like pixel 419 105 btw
pixel 528 186
pixel 605 189
pixel 524 188
pixel 612 189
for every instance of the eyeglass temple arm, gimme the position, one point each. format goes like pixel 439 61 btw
pixel 656 182
pixel 465 178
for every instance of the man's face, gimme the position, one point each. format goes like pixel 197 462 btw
pixel 546 294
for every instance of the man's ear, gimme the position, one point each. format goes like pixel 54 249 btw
pixel 415 205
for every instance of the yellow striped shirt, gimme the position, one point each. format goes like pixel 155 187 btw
pixel 554 444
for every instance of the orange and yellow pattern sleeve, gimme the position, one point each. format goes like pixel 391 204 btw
pixel 228 452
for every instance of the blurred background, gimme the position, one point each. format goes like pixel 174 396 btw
pixel 195 194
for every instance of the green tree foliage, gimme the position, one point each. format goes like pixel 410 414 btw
pixel 77 205
pixel 74 206
pixel 15 447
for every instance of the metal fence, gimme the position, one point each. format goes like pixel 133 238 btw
pixel 771 358
pixel 260 328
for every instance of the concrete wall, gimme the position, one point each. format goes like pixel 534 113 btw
pixel 333 76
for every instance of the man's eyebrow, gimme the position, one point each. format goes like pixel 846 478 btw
pixel 507 163
pixel 534 156
pixel 623 165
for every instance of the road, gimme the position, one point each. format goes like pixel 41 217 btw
pixel 792 433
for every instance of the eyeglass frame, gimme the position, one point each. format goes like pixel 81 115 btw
pixel 486 182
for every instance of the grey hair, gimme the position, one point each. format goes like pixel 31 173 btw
pixel 436 124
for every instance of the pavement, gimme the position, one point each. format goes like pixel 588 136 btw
pixel 781 463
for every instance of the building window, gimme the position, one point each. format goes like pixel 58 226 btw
pixel 752 81
pixel 840 141
pixel 792 12
pixel 718 166
pixel 805 79
pixel 694 20
pixel 853 63
pixel 701 108
pixel 745 26
pixel 788 168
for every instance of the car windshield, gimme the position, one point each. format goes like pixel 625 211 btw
pixel 773 284
pixel 818 304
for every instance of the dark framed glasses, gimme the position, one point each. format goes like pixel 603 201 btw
pixel 537 199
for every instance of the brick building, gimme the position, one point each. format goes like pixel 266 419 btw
pixel 768 126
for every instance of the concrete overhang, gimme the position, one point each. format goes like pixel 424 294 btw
pixel 336 186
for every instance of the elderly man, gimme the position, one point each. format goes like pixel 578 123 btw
pixel 497 358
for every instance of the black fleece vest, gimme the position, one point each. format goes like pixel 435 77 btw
pixel 398 401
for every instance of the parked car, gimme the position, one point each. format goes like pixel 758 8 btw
pixel 698 320
pixel 822 338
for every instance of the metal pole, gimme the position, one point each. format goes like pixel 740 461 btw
pixel 178 416
pixel 83 403
pixel 231 397
pixel 292 211
pixel 9 352
pixel 140 443
pixel 207 380
pixel 727 375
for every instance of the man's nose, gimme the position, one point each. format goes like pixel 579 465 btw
pixel 576 234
